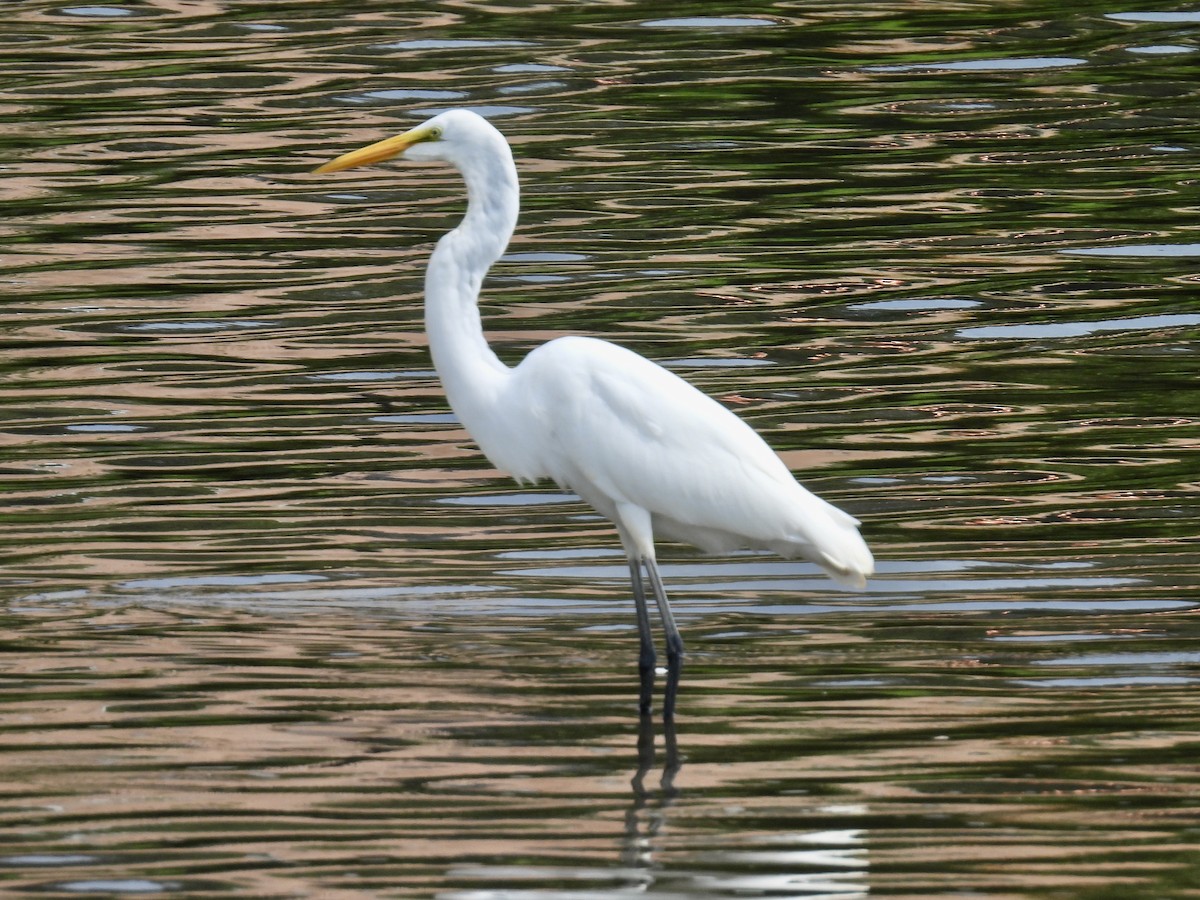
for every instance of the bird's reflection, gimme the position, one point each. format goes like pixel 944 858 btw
pixel 647 813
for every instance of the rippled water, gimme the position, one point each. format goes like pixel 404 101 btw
pixel 273 628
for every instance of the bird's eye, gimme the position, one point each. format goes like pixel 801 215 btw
pixel 435 134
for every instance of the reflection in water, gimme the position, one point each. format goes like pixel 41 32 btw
pixel 812 864
pixel 271 754
pixel 270 630
pixel 647 814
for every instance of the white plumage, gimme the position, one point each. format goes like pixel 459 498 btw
pixel 640 444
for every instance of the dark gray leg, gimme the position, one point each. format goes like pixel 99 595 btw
pixel 674 640
pixel 646 657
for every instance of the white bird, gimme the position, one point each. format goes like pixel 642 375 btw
pixel 641 445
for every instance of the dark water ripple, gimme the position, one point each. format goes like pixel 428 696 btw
pixel 272 629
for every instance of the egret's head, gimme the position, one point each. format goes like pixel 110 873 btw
pixel 450 137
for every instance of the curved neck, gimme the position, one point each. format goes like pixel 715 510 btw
pixel 470 372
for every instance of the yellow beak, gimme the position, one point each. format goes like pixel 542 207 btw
pixel 379 151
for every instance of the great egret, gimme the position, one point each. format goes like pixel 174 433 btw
pixel 641 445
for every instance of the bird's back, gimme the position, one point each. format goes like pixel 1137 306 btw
pixel 617 428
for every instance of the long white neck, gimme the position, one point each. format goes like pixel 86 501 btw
pixel 470 372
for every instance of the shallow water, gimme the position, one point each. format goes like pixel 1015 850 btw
pixel 274 629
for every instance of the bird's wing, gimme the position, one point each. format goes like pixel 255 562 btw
pixel 614 422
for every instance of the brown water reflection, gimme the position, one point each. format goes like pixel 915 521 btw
pixel 271 627
pixel 211 750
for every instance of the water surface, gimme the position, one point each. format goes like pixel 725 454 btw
pixel 273 628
